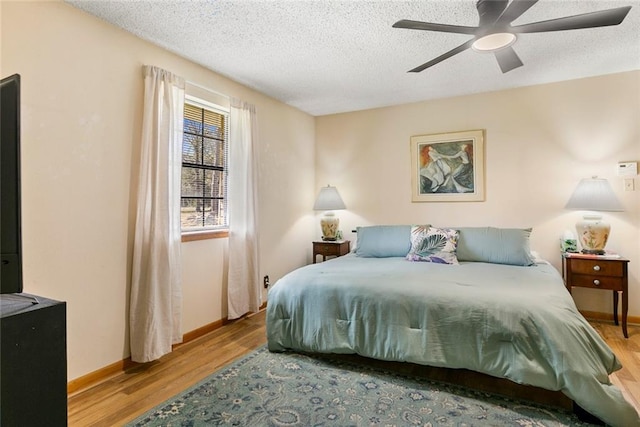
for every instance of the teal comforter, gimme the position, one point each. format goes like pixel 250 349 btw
pixel 512 322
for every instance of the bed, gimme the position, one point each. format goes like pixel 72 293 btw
pixel 512 320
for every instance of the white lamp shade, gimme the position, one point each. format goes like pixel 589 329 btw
pixel 328 200
pixel 594 194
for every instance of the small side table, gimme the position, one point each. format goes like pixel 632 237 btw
pixel 599 273
pixel 330 248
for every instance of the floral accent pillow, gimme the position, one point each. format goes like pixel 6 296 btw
pixel 432 244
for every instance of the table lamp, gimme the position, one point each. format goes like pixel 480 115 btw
pixel 593 195
pixel 329 200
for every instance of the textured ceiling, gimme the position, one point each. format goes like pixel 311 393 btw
pixel 327 57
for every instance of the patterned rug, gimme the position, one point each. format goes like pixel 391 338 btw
pixel 288 389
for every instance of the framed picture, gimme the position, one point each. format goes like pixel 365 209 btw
pixel 448 167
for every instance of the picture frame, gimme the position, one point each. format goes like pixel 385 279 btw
pixel 448 167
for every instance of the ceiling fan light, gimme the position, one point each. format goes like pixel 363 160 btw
pixel 494 41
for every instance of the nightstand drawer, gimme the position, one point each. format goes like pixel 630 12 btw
pixel 597 268
pixel 327 249
pixel 597 282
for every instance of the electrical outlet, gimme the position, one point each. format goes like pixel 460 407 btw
pixel 265 281
pixel 629 184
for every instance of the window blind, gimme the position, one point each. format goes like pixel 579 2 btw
pixel 204 168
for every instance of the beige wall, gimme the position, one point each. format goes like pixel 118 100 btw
pixel 540 141
pixel 81 116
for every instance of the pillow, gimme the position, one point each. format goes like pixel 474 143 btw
pixel 433 244
pixel 381 241
pixel 495 245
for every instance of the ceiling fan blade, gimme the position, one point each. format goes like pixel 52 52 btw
pixel 507 59
pixel 602 18
pixel 489 11
pixel 515 9
pixel 455 51
pixel 430 26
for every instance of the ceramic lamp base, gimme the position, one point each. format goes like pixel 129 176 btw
pixel 329 224
pixel 593 234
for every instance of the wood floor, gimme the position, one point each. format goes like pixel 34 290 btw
pixel 125 396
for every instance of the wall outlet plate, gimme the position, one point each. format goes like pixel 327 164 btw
pixel 629 184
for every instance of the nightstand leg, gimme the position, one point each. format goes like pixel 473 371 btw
pixel 615 307
pixel 625 307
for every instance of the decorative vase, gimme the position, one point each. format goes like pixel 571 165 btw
pixel 593 234
pixel 329 224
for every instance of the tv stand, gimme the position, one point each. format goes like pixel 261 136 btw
pixel 33 361
pixel 32 298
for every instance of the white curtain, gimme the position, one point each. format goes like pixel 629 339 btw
pixel 244 294
pixel 156 292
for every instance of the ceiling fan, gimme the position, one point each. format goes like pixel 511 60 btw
pixel 495 33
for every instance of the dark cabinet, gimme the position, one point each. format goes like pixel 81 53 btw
pixel 33 361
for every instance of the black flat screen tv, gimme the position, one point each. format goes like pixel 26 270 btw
pixel 10 217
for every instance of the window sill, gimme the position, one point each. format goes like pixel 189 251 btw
pixel 204 235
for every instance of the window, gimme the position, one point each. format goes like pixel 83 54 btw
pixel 204 167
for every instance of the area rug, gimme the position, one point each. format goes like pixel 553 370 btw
pixel 289 389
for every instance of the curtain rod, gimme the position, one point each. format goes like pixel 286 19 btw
pixel 208 90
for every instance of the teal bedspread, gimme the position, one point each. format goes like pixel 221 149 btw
pixel 512 322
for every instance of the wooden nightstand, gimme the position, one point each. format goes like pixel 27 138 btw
pixel 327 248
pixel 599 273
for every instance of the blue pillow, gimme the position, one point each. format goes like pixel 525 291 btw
pixel 381 241
pixel 495 245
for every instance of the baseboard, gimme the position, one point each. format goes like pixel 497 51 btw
pixel 116 368
pixel 596 315
pixel 197 333
pixel 99 376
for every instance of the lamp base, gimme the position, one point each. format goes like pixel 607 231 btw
pixel 329 224
pixel 593 234
pixel 593 251
pixel 329 239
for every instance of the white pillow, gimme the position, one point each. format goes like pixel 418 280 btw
pixel 433 244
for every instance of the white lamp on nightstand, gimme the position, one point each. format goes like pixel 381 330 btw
pixel 593 195
pixel 329 200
